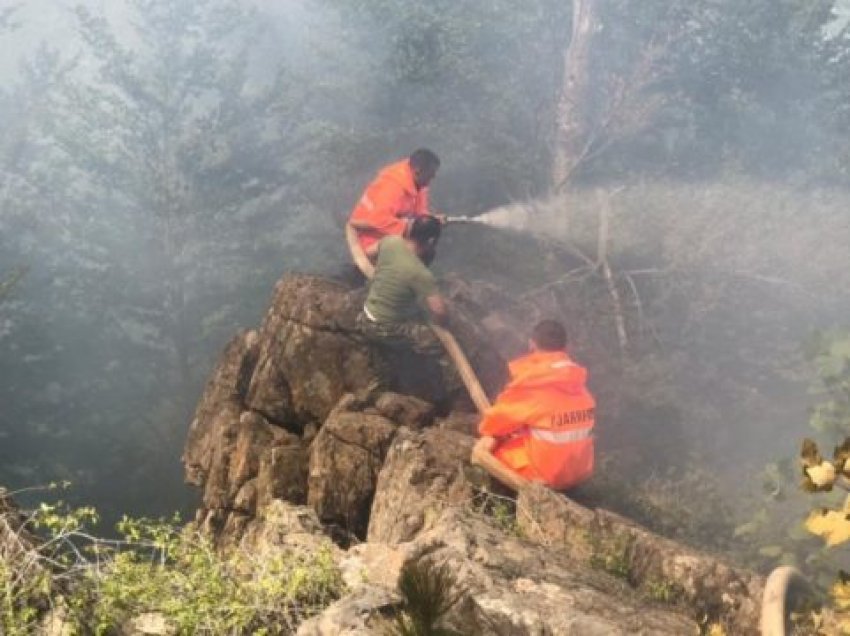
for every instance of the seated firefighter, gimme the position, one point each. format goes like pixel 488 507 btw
pixel 403 296
pixel 541 426
pixel 398 193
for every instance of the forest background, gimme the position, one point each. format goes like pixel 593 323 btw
pixel 163 162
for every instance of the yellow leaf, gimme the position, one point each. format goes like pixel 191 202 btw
pixel 832 525
pixel 822 475
pixel 716 629
pixel 841 594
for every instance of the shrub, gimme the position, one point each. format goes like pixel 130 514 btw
pixel 159 567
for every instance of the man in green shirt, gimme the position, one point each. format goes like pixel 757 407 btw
pixel 403 298
pixel 403 293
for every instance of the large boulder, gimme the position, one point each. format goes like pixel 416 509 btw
pixel 422 474
pixel 309 353
pixel 345 459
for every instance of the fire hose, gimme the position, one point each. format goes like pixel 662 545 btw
pixel 481 454
pixel 467 374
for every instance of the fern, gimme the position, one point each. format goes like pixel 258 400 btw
pixel 428 594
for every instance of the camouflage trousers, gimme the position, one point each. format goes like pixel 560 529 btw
pixel 412 336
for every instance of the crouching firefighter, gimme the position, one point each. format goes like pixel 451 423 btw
pixel 541 426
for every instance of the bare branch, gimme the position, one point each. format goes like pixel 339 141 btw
pixel 604 211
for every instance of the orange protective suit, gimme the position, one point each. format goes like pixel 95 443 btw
pixel 543 420
pixel 390 197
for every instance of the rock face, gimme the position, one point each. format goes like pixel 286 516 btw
pixel 271 424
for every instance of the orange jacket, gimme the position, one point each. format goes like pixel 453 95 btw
pixel 391 195
pixel 543 420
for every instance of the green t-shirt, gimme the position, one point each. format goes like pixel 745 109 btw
pixel 401 283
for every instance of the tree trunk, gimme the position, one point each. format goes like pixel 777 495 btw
pixel 572 135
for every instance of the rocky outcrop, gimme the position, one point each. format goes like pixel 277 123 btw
pixel 271 425
pixel 292 416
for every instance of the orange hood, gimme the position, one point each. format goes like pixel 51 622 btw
pixel 547 370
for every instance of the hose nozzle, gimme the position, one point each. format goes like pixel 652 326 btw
pixel 462 219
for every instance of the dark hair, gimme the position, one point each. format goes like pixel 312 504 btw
pixel 550 335
pixel 425 230
pixel 425 160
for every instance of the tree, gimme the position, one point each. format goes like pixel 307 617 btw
pixel 572 140
pixel 689 85
pixel 476 81
pixel 159 183
pixel 173 137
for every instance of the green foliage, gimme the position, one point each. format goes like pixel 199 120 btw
pixel 23 590
pixel 159 568
pixel 829 353
pixel 181 576
pixel 428 592
pixel 614 556
pixel 497 510
pixel 663 591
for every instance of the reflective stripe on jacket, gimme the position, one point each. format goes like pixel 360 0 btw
pixel 390 197
pixel 544 419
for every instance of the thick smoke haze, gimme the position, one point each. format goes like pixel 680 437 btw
pixel 164 162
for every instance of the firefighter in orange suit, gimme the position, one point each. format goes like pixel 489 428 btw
pixel 398 193
pixel 541 426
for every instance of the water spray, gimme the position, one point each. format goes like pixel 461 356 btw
pixel 507 217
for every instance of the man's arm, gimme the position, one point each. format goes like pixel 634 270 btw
pixel 437 309
pixel 501 419
pixel 482 454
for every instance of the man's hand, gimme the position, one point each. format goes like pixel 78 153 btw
pixel 486 443
pixel 437 309
pixel 442 218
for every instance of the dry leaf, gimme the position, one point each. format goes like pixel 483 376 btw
pixel 842 457
pixel 832 525
pixel 809 453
